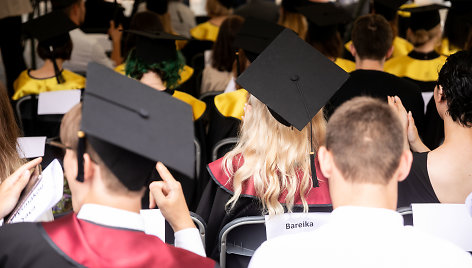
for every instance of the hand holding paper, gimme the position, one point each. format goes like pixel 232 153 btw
pixel 168 196
pixel 11 187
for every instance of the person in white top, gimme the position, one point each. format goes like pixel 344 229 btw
pixel 87 49
pixel 365 157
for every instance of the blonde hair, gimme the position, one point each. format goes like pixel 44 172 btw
pixel 422 36
pixel 276 157
pixel 294 21
pixel 215 9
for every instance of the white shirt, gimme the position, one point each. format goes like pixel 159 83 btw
pixel 188 239
pixel 85 49
pixel 361 237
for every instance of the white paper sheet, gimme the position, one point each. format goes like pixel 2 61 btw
pixel 47 193
pixel 292 223
pixel 154 223
pixel 57 102
pixel 30 147
pixel 451 222
pixel 426 98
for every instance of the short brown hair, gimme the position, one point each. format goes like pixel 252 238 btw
pixel 366 139
pixel 215 9
pixel 70 126
pixel 372 37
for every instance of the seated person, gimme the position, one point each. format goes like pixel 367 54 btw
pixel 272 169
pixel 324 20
pixel 372 45
pixel 147 21
pixel 107 181
pixel 219 72
pixel 443 174
pixel 457 28
pixel 364 158
pixel 217 10
pixel 54 47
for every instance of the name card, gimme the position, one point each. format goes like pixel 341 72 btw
pixel 292 223
pixel 58 102
pixel 450 222
pixel 154 223
pixel 30 147
pixel 43 196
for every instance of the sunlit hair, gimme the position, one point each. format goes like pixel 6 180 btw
pixel 422 36
pixel 294 21
pixel 273 156
pixel 168 71
pixel 9 158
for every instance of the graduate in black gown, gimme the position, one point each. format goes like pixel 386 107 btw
pixel 112 143
pixel 372 45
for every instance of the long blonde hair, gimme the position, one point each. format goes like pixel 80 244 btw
pixel 295 21
pixel 9 158
pixel 276 157
pixel 422 36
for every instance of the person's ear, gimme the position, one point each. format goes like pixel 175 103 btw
pixel 325 159
pixel 89 167
pixel 389 52
pixel 405 165
pixel 441 93
pixel 352 49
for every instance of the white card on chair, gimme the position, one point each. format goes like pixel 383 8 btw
pixel 451 222
pixel 30 147
pixel 57 102
pixel 292 223
pixel 154 223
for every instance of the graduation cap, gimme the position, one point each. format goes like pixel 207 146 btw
pixel 132 126
pixel 325 14
pixel 293 5
pixel 255 35
pixel 61 4
pixel 51 30
pixel 424 17
pixel 158 6
pixel 227 3
pixel 388 8
pixel 294 80
pixel 154 47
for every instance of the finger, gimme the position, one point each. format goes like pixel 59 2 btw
pixel 31 164
pixel 152 203
pixel 165 173
pixel 156 190
pixel 112 24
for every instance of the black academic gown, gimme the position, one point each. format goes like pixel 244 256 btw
pixel 70 242
pixel 379 84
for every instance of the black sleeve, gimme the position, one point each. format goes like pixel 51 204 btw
pixel 26 245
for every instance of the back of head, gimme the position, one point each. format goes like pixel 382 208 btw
pixel 372 37
pixel 142 21
pixel 274 156
pixel 62 49
pixel 9 133
pixel 223 52
pixel 366 139
pixel 455 78
pixel 70 126
pixel 215 9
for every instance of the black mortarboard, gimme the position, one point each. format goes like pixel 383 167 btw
pixel 388 8
pixel 255 35
pixel 132 126
pixel 227 3
pixel 51 30
pixel 424 17
pixel 293 5
pixel 61 4
pixel 154 47
pixel 293 79
pixel 325 14
pixel 158 6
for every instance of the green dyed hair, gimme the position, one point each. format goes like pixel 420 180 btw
pixel 168 71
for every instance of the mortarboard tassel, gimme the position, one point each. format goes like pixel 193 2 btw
pixel 80 156
pixel 57 73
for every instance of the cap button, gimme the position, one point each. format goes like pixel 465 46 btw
pixel 143 113
pixel 294 78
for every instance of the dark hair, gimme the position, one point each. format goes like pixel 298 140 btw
pixel 62 48
pixel 455 78
pixel 372 37
pixel 223 52
pixel 457 28
pixel 168 71
pixel 143 21
pixel 366 139
pixel 64 5
pixel 325 39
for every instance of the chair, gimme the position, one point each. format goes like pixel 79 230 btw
pixel 407 214
pixel 198 157
pixel 222 147
pixel 199 222
pixel 208 97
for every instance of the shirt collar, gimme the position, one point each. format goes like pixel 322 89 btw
pixel 109 216
pixel 352 215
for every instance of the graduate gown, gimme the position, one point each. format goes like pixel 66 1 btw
pixel 422 69
pixel 71 242
pixel 219 190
